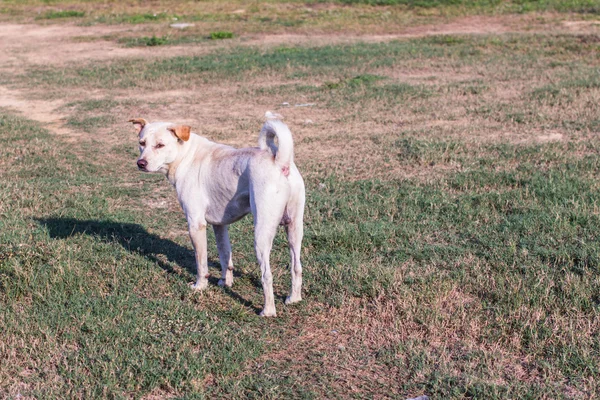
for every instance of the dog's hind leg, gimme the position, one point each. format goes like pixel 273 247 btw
pixel 265 230
pixel 224 247
pixel 267 207
pixel 295 232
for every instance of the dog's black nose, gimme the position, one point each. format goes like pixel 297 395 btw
pixel 142 164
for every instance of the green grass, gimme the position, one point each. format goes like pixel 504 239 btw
pixel 584 6
pixel 451 239
pixel 221 35
pixel 162 40
pixel 284 15
pixel 62 14
pixel 135 18
pixel 59 245
pixel 155 40
pixel 90 116
pixel 241 61
pixel 527 51
pixel 105 295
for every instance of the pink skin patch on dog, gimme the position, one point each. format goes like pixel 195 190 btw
pixel 285 170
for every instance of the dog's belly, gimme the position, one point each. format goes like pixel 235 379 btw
pixel 229 211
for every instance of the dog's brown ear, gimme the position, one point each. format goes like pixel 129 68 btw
pixel 139 124
pixel 181 131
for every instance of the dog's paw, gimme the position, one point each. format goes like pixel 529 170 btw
pixel 199 285
pixel 268 313
pixel 228 281
pixel 224 282
pixel 292 300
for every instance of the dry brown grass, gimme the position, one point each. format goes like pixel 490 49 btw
pixel 356 344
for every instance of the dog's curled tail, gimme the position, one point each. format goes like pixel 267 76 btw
pixel 283 151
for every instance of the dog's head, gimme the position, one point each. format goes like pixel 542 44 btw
pixel 160 143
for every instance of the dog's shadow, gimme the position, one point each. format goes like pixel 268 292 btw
pixel 135 239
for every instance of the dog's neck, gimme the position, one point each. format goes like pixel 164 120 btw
pixel 192 145
pixel 172 170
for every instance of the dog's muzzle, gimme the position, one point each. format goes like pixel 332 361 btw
pixel 142 164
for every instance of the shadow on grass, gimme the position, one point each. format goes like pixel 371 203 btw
pixel 136 239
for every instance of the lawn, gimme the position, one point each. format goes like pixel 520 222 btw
pixel 451 232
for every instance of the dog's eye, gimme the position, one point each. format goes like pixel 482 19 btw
pixel 142 143
pixel 159 146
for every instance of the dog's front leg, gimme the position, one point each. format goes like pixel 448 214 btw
pixel 198 236
pixel 224 247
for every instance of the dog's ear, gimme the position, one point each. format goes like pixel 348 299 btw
pixel 139 124
pixel 181 131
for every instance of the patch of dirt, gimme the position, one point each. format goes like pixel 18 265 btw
pixel 357 341
pixel 43 111
pixel 29 45
pixel 59 45
pixel 341 342
pixel 581 26
pixel 476 25
pixel 548 137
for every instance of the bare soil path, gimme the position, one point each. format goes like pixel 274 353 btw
pixel 28 45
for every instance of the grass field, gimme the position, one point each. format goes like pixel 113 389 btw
pixel 451 153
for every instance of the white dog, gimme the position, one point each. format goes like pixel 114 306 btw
pixel 218 185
